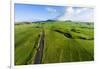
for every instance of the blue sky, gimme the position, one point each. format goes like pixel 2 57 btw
pixel 29 13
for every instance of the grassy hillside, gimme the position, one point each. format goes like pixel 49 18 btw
pixel 63 42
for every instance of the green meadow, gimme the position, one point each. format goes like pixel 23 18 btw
pixel 64 41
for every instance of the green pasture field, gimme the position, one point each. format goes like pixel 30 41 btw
pixel 63 42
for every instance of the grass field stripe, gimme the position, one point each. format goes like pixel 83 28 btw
pixel 77 50
pixel 89 54
pixel 60 59
pixel 83 49
pixel 70 51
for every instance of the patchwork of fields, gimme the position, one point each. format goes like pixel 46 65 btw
pixel 53 42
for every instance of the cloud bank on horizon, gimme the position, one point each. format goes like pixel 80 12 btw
pixel 29 13
pixel 78 14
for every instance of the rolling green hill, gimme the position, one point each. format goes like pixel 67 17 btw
pixel 63 42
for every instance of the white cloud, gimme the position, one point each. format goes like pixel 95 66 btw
pixel 81 10
pixel 78 11
pixel 79 14
pixel 51 10
pixel 69 10
pixel 68 14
